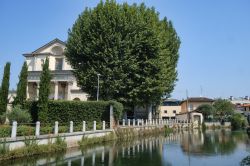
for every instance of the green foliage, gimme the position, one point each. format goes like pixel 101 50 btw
pixel 2 118
pixel 4 147
pixel 60 141
pixel 44 92
pixel 223 109
pixel 5 131
pixel 4 91
pixel 46 130
pixel 76 111
pixel 97 140
pixel 20 115
pixel 207 110
pixel 24 130
pixel 135 52
pixel 34 149
pixel 21 86
pixel 238 121
pixel 168 130
pixel 30 141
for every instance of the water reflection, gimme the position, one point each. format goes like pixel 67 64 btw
pixel 180 148
pixel 211 142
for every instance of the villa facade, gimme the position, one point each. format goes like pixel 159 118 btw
pixel 63 83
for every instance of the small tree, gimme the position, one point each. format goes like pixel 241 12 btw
pixel 21 86
pixel 206 110
pixel 20 115
pixel 44 92
pixel 4 91
pixel 223 109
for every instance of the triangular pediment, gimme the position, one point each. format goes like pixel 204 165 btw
pixel 47 48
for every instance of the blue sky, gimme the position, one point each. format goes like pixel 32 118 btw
pixel 215 36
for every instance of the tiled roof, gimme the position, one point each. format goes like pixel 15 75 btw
pixel 199 99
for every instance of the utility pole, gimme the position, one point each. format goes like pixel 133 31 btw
pixel 188 115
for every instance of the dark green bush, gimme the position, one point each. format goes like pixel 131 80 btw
pixel 5 131
pixel 76 111
pixel 238 121
pixel 20 115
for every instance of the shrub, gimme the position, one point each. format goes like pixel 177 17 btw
pixel 25 130
pixel 76 111
pixel 238 121
pixel 30 141
pixel 20 115
pixel 5 131
pixel 46 130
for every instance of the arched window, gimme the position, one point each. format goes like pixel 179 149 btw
pixel 57 50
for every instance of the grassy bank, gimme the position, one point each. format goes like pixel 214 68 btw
pixel 32 148
pixel 59 145
pixel 124 134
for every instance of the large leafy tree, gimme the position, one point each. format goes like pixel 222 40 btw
pixel 223 108
pixel 134 50
pixel 4 91
pixel 44 92
pixel 22 86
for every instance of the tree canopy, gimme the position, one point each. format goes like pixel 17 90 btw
pixel 134 50
pixel 223 108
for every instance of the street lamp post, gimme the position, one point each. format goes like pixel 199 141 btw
pixel 97 94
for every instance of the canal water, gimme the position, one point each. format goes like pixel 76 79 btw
pixel 184 148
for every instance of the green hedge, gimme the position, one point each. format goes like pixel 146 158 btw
pixel 76 111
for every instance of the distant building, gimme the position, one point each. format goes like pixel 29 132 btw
pixel 63 84
pixel 241 105
pixel 189 108
pixel 169 109
pixel 193 103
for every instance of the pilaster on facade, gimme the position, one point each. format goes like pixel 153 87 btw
pixel 37 89
pixel 70 84
pixel 56 90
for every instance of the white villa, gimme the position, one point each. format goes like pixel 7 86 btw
pixel 63 83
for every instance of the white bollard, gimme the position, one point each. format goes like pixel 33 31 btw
pixel 138 122
pixel 103 125
pixel 14 129
pixel 71 127
pixel 142 122
pixel 83 126
pixel 94 127
pixel 128 122
pixel 133 122
pixel 56 128
pixel 123 122
pixel 37 128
